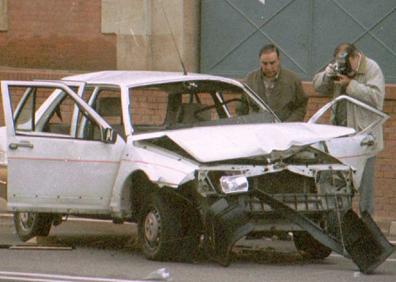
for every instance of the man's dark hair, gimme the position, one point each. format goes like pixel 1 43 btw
pixel 346 47
pixel 268 49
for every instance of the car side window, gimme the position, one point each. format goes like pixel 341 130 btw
pixel 107 103
pixel 43 111
pixel 148 108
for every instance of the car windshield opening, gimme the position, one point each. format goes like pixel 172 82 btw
pixel 193 103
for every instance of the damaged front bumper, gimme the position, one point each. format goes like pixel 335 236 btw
pixel 322 191
pixel 360 238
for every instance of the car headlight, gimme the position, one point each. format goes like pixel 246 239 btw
pixel 234 184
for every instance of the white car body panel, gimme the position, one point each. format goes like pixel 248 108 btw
pixel 54 174
pixel 353 150
pixel 139 78
pixel 208 144
pixel 349 151
pixel 162 168
pixel 3 146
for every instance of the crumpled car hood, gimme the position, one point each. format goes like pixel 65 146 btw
pixel 217 143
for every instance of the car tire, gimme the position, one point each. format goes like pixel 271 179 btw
pixel 158 228
pixel 309 247
pixel 190 234
pixel 29 224
pixel 163 233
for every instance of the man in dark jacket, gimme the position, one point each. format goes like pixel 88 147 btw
pixel 280 88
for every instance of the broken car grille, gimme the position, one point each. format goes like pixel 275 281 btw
pixel 307 203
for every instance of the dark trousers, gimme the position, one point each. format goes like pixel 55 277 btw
pixel 366 189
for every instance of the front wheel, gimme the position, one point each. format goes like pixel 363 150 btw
pixel 30 224
pixel 158 227
pixel 309 247
pixel 164 233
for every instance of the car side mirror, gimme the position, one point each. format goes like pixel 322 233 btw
pixel 108 135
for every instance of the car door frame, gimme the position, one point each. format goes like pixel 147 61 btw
pixel 315 117
pixel 12 136
pixel 353 149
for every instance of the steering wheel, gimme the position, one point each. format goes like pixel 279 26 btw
pixel 209 107
pixel 198 112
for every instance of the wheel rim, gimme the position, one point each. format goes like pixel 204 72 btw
pixel 26 220
pixel 152 228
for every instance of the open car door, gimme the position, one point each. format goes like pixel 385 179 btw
pixel 50 167
pixel 353 149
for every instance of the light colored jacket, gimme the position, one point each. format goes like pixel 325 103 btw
pixel 367 86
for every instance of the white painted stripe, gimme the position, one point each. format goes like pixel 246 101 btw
pixel 22 279
pixel 74 219
pixel 92 220
pixel 28 276
pixel 392 260
pixel 340 256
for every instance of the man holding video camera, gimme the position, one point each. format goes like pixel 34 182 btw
pixel 353 74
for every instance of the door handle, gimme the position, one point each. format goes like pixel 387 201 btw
pixel 368 141
pixel 14 146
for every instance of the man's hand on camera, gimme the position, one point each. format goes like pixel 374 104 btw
pixel 342 80
pixel 330 70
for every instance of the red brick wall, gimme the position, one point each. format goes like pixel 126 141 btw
pixel 57 34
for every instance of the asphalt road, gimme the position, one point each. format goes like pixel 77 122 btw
pixel 101 251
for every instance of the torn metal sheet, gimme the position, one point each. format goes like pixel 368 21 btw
pixel 360 239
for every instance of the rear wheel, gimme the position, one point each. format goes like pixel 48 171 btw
pixel 29 224
pixel 309 247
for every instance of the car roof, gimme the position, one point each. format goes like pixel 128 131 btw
pixel 138 78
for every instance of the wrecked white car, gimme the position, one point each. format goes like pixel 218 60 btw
pixel 175 154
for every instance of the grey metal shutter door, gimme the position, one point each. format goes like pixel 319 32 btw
pixel 306 31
